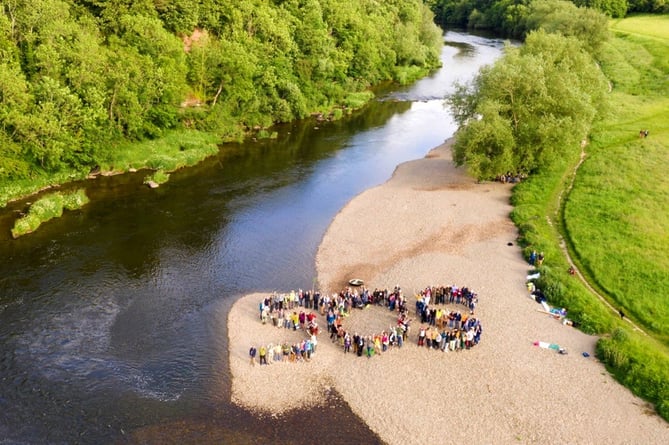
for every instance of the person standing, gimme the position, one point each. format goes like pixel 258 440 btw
pixel 307 299
pixel 399 330
pixel 421 336
pixel 347 342
pixel 263 355
pixel 252 353
pixel 369 346
pixel 314 343
pixel 361 345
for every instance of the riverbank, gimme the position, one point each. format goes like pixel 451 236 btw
pixel 430 224
pixel 171 152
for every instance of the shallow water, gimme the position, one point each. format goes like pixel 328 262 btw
pixel 113 318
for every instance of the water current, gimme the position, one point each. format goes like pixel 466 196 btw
pixel 113 318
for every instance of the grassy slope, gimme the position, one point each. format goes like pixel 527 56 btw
pixel 615 218
pixel 617 215
pixel 653 26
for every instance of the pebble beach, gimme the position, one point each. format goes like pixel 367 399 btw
pixel 432 225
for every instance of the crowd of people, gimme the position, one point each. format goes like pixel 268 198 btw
pixel 442 327
pixel 512 178
pixel 296 352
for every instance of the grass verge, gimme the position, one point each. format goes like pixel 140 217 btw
pixel 158 177
pixel 175 150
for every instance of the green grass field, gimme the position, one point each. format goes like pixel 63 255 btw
pixel 615 219
pixel 654 26
pixel 617 216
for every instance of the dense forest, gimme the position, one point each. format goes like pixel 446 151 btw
pixel 509 16
pixel 78 76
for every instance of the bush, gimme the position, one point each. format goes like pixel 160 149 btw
pixel 75 200
pixel 159 177
pixel 46 208
pixel 642 367
pixel 358 100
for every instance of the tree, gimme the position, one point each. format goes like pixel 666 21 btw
pixel 589 26
pixel 51 131
pixel 15 100
pixel 147 77
pixel 613 8
pixel 79 77
pixel 526 110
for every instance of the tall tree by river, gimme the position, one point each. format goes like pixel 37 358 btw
pixel 521 113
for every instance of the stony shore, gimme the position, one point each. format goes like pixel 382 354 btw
pixel 432 225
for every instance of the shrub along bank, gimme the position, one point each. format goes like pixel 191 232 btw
pixel 48 207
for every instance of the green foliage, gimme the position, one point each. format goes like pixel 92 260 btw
pixel 41 211
pixel 406 75
pixel 357 100
pixel 46 208
pixel 612 8
pixel 75 200
pixel 639 364
pixel 176 149
pixel 509 16
pixel 588 26
pixel 265 134
pixel 516 18
pixel 12 189
pixel 80 79
pixel 614 218
pixel 520 114
pixel 149 77
pixel 158 177
pixel 179 16
pixel 454 12
pixel 280 62
pixel 649 6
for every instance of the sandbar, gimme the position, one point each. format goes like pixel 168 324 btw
pixel 432 225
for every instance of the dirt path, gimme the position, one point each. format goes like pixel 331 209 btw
pixel 559 215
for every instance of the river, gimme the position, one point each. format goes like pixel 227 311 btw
pixel 113 318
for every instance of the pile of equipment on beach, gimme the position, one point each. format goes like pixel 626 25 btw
pixel 559 314
pixel 537 295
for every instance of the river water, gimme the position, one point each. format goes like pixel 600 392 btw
pixel 113 318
